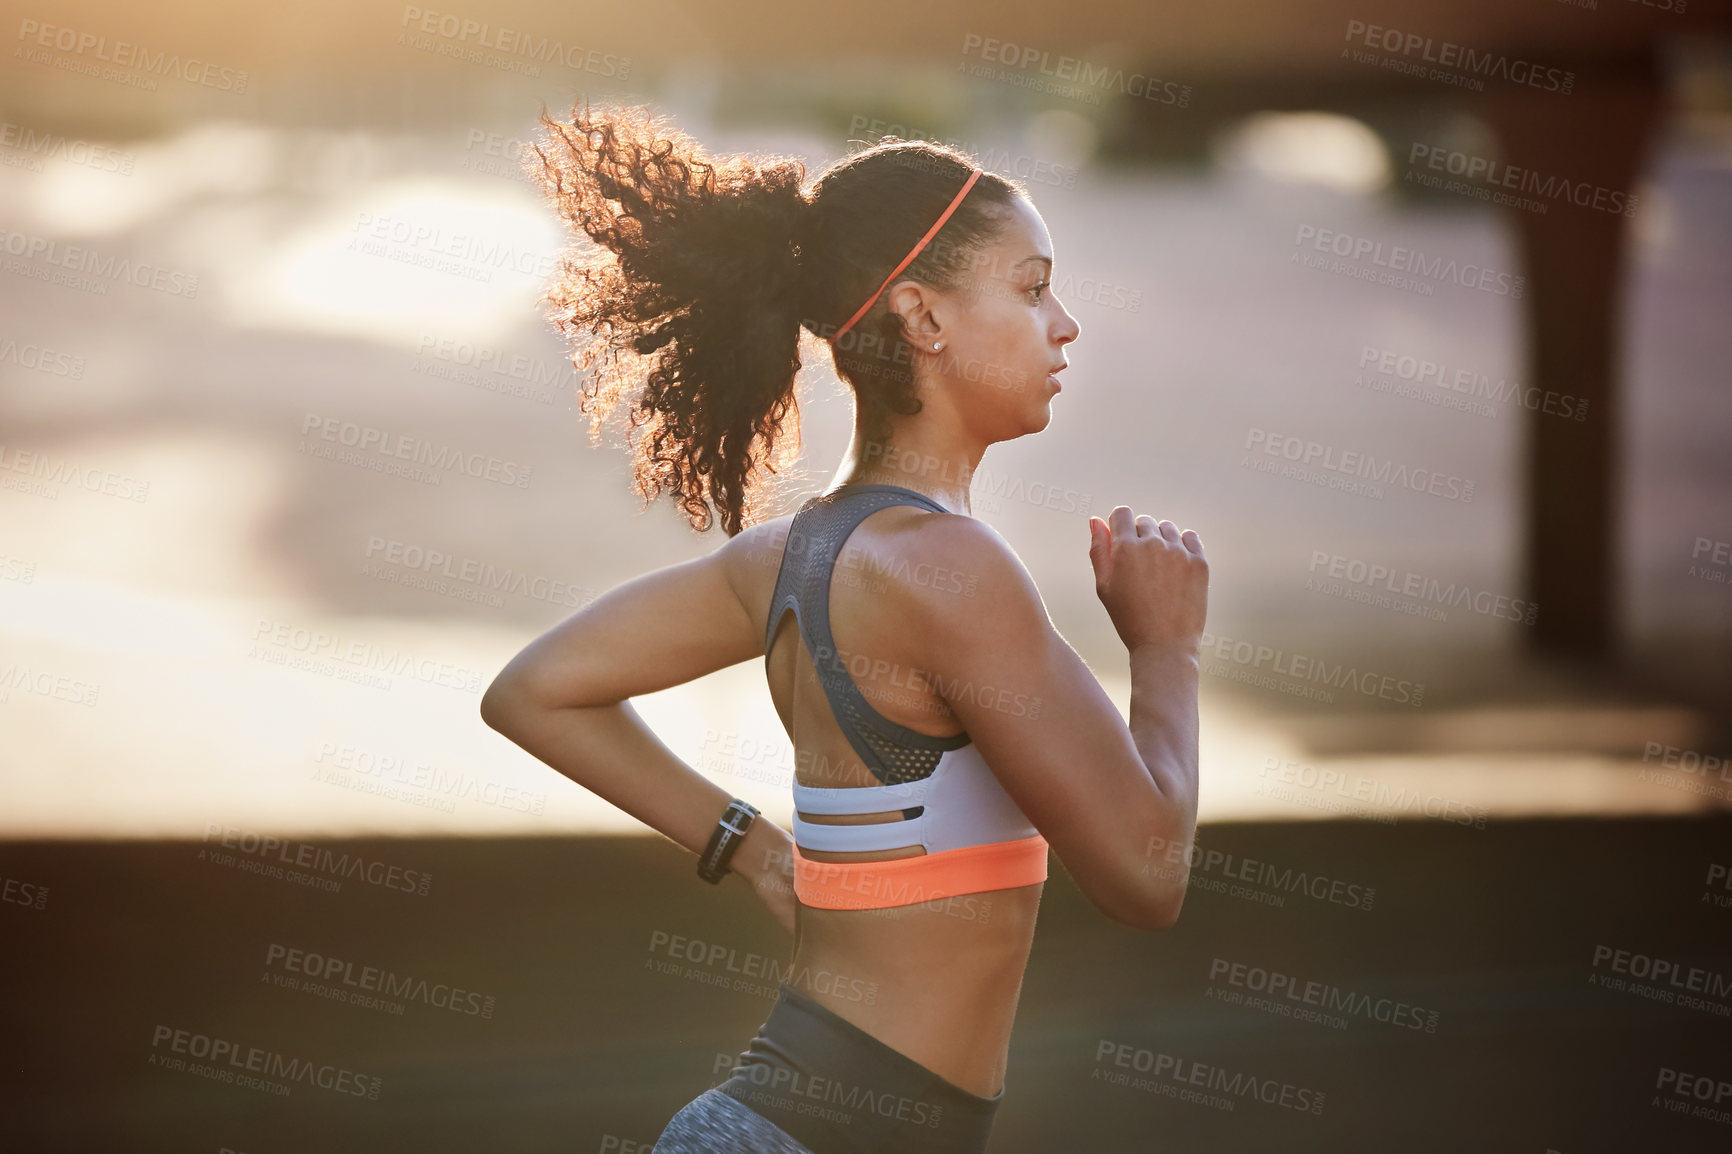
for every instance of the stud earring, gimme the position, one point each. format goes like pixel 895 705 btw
pixel 936 345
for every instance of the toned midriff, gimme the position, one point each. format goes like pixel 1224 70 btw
pixel 938 980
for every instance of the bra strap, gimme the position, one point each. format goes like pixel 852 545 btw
pixel 894 753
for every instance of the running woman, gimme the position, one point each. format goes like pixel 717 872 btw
pixel 946 735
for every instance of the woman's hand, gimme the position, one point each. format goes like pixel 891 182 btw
pixel 1153 579
pixel 766 860
pixel 777 892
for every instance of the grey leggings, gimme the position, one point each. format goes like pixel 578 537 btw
pixel 713 1123
pixel 812 1082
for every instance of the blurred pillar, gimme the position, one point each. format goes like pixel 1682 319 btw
pixel 1574 262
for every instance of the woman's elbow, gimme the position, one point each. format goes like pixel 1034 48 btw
pixel 1148 915
pixel 503 699
pixel 1140 905
pixel 1164 914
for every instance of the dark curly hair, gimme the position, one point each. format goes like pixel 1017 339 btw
pixel 703 272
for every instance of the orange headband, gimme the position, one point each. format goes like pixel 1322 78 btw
pixel 912 253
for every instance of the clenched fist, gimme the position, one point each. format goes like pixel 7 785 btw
pixel 1153 580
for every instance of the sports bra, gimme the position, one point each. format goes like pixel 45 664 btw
pixel 975 837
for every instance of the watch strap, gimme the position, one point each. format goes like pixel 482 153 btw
pixel 725 839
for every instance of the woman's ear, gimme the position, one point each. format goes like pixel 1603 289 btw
pixel 911 303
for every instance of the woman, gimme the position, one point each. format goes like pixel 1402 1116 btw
pixel 906 648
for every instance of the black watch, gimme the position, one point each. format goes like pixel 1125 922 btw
pixel 730 831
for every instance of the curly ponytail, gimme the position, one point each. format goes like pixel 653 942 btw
pixel 710 270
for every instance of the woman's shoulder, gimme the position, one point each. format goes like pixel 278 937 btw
pixel 752 559
pixel 938 565
pixel 919 535
pixel 954 561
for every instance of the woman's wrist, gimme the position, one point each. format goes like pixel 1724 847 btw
pixel 766 849
pixel 1153 655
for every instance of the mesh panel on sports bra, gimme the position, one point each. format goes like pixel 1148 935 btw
pixel 894 753
pixel 900 762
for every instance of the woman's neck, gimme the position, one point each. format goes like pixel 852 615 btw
pixel 918 456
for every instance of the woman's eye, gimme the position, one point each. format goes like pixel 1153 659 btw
pixel 1038 289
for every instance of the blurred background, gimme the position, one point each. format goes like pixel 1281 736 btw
pixel 1416 312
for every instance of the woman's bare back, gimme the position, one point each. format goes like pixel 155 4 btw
pixel 937 981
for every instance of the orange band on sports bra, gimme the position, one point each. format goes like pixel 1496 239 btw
pixel 875 885
pixel 912 253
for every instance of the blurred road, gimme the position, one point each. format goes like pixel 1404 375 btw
pixel 270 626
pixel 571 994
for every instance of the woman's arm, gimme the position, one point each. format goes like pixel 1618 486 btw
pixel 564 699
pixel 1117 802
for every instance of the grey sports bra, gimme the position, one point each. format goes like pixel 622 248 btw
pixel 949 797
pixel 894 753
